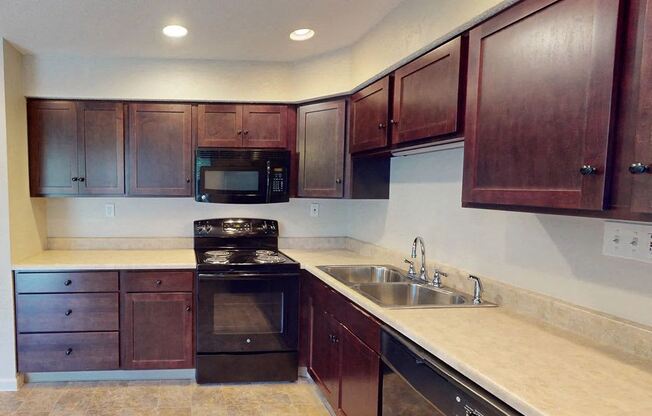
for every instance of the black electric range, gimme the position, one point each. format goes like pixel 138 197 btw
pixel 247 303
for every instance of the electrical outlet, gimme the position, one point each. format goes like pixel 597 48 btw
pixel 109 210
pixel 628 240
pixel 314 210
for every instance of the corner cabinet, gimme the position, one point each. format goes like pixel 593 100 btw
pixel 76 148
pixel 320 144
pixel 160 150
pixel 541 104
pixel 429 95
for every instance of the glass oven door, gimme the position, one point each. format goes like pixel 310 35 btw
pixel 233 181
pixel 247 312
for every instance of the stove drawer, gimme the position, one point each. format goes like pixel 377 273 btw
pixel 67 312
pixel 157 281
pixel 66 282
pixel 68 351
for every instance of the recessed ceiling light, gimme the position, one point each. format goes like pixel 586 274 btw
pixel 175 31
pixel 302 34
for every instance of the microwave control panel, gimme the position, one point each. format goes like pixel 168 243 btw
pixel 277 178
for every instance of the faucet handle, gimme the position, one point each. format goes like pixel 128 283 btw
pixel 477 290
pixel 411 272
pixel 436 279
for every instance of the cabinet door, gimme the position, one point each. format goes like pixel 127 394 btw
pixel 101 148
pixel 325 360
pixel 321 149
pixel 369 117
pixel 157 331
pixel 360 385
pixel 641 165
pixel 539 105
pixel 264 126
pixel 219 125
pixel 427 101
pixel 52 130
pixel 160 146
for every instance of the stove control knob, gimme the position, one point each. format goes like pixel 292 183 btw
pixel 208 229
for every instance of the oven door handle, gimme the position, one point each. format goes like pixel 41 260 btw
pixel 235 276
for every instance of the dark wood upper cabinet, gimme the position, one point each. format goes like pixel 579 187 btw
pixel 428 94
pixel 101 148
pixel 640 166
pixel 76 147
pixel 238 125
pixel 53 163
pixel 264 126
pixel 540 105
pixel 160 147
pixel 219 125
pixel 157 331
pixel 370 117
pixel 321 137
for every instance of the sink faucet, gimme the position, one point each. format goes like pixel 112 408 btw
pixel 477 290
pixel 436 280
pixel 422 272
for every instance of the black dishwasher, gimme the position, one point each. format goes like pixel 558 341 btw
pixel 416 383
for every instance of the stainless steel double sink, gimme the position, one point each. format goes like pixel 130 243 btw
pixel 390 287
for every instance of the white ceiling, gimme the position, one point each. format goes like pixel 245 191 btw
pixel 218 29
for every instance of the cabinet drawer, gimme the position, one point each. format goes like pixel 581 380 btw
pixel 68 352
pixel 64 313
pixel 156 281
pixel 68 282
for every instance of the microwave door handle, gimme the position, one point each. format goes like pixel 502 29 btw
pixel 268 194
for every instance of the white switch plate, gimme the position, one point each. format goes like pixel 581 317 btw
pixel 109 210
pixel 314 210
pixel 628 240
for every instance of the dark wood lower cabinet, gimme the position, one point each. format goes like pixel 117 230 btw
pixel 79 320
pixel 325 363
pixel 360 376
pixel 157 330
pixel 340 346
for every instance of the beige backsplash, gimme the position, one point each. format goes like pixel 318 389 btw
pixel 602 329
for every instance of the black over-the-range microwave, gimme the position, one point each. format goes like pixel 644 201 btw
pixel 242 176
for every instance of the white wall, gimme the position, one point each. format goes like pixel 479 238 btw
pixel 7 346
pixel 173 217
pixel 155 79
pixel 555 255
pixel 410 27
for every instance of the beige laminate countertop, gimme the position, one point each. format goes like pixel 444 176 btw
pixel 59 260
pixel 537 371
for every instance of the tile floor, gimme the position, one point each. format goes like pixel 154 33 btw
pixel 164 398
